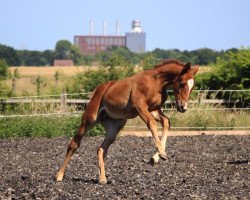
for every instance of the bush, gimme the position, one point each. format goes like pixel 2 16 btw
pixel 53 126
pixel 43 126
pixel 232 71
pixel 200 120
pixel 3 69
pixel 88 81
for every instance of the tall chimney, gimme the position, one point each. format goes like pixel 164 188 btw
pixel 104 27
pixel 91 26
pixel 117 28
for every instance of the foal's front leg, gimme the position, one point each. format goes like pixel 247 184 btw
pixel 165 122
pixel 147 117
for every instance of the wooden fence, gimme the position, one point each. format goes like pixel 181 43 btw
pixel 64 101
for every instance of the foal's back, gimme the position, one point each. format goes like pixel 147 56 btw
pixel 120 99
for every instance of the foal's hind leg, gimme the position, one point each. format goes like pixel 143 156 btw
pixel 112 128
pixel 165 122
pixel 74 145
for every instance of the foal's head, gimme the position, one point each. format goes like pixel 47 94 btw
pixel 183 85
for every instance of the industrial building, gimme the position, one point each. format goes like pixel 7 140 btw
pixel 135 40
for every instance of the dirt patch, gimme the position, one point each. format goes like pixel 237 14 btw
pixel 198 167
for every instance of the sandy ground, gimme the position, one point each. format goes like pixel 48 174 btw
pixel 185 133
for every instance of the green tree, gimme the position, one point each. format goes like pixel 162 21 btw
pixel 231 71
pixel 49 56
pixel 166 54
pixel 149 61
pixel 3 69
pixel 118 67
pixel 204 56
pixel 76 55
pixel 114 60
pixel 88 81
pixel 9 55
pixel 32 58
pixel 89 59
pixel 63 50
pixel 121 52
pixel 3 75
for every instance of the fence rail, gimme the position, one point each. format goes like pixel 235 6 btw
pixel 65 99
pixel 198 102
pixel 89 93
pixel 86 101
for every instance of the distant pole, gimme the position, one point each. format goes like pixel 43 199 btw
pixel 91 26
pixel 104 27
pixel 64 101
pixel 117 28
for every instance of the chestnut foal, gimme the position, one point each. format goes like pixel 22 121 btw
pixel 140 95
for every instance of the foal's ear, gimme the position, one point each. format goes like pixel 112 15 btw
pixel 195 69
pixel 185 69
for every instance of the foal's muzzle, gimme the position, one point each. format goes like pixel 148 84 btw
pixel 181 107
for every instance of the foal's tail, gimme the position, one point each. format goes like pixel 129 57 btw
pixel 91 113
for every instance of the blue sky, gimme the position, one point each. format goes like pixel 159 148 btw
pixel 181 24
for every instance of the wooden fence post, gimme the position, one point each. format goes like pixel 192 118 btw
pixel 64 101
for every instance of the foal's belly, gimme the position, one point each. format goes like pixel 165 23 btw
pixel 118 113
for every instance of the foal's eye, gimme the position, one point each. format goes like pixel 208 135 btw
pixel 182 85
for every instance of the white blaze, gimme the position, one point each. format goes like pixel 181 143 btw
pixel 190 83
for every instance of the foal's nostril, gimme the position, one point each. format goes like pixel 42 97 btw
pixel 183 108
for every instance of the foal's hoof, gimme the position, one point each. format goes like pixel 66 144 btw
pixel 103 181
pixel 59 177
pixel 152 161
pixel 163 156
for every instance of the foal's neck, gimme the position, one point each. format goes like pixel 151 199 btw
pixel 166 74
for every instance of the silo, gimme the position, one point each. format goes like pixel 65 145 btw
pixel 136 38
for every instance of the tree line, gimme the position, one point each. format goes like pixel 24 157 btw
pixel 65 50
pixel 229 69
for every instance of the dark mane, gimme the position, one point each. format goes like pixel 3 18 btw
pixel 168 61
